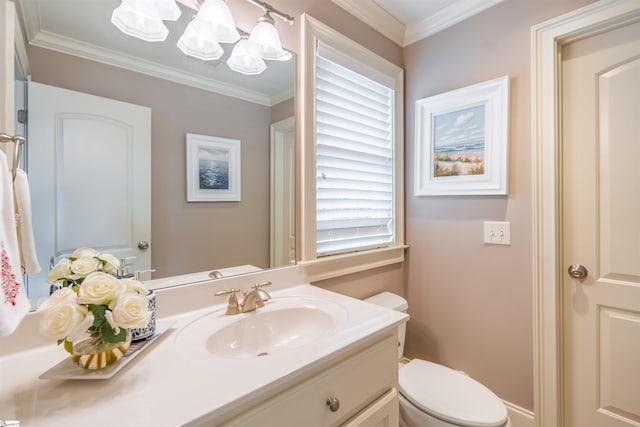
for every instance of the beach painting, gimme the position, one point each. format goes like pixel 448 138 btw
pixel 462 141
pixel 213 169
pixel 459 142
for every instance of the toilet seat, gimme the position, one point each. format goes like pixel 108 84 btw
pixel 450 395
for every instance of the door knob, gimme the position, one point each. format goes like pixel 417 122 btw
pixel 578 271
pixel 143 245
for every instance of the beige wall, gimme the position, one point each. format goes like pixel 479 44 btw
pixel 470 303
pixel 186 237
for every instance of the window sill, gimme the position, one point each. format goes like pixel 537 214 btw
pixel 340 265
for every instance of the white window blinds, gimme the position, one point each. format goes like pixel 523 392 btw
pixel 354 158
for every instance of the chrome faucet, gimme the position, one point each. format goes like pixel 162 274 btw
pixel 252 300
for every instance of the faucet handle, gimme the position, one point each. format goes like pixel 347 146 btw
pixel 264 295
pixel 226 292
pixel 233 307
pixel 260 285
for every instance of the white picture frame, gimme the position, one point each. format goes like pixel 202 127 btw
pixel 461 141
pixel 213 169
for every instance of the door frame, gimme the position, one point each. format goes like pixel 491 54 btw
pixel 547 39
pixel 276 209
pixel 7 19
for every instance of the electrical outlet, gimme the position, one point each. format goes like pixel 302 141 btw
pixel 497 232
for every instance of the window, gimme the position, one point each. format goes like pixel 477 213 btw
pixel 351 216
pixel 354 157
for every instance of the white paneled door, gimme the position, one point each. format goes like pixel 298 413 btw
pixel 601 229
pixel 89 164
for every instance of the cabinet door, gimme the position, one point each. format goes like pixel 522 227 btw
pixel 384 412
pixel 354 382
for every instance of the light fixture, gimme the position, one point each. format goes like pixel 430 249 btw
pixel 193 44
pixel 143 18
pixel 245 58
pixel 265 37
pixel 212 25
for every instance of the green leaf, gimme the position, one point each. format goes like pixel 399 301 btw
pixel 68 345
pixel 98 315
pixel 109 335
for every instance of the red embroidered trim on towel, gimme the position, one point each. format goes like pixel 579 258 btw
pixel 10 286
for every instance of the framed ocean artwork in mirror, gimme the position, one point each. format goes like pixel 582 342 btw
pixel 213 169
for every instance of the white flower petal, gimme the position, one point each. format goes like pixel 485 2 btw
pixel 81 328
pixel 109 316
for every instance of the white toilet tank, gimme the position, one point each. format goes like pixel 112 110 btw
pixel 393 302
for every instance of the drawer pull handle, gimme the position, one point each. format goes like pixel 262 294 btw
pixel 333 403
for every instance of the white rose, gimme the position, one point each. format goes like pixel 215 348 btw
pixel 111 263
pixel 135 286
pixel 61 270
pixel 84 266
pixel 63 320
pixel 84 252
pixel 59 297
pixel 130 311
pixel 99 288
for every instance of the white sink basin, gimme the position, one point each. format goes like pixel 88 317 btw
pixel 283 324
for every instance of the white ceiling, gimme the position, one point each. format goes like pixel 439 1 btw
pixel 414 11
pixel 407 21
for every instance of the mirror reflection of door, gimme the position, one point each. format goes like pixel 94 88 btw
pixel 88 160
pixel 282 233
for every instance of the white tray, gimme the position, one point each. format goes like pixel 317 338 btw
pixel 68 370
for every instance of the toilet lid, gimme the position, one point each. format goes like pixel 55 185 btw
pixel 450 395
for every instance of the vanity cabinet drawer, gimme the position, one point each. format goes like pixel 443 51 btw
pixel 355 382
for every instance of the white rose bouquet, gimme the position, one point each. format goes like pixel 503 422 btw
pixel 82 262
pixel 92 300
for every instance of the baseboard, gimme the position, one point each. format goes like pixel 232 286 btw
pixel 518 416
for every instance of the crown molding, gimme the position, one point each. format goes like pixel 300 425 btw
pixel 369 12
pixel 92 52
pixel 445 18
pixel 279 97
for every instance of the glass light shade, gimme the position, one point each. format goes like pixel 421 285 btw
pixel 214 22
pixel 192 44
pixel 135 24
pixel 245 58
pixel 265 36
pixel 164 10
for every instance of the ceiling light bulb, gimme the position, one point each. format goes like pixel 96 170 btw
pixel 164 10
pixel 214 22
pixel 192 44
pixel 136 24
pixel 265 36
pixel 245 58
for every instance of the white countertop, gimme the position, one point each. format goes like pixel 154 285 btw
pixel 168 386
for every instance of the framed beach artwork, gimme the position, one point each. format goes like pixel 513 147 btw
pixel 461 145
pixel 213 169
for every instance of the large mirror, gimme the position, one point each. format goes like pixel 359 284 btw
pixel 72 45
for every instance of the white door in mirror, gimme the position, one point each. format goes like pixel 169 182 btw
pixel 89 168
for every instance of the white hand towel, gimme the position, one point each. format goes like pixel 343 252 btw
pixel 25 229
pixel 14 303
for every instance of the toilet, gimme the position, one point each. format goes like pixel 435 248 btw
pixel 432 395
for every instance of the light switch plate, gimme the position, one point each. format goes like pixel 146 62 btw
pixel 497 232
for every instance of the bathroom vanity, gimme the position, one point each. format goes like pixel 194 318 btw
pixel 309 357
